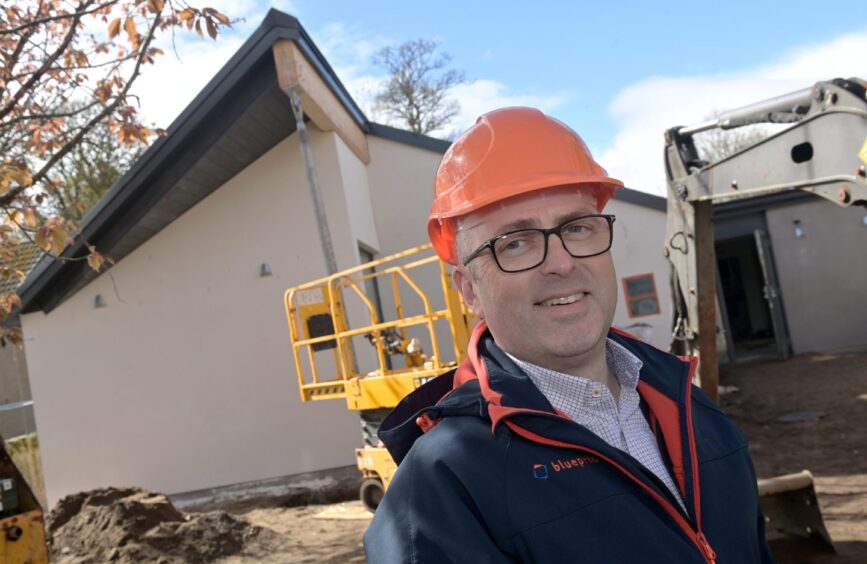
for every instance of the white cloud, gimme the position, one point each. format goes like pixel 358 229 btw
pixel 288 6
pixel 168 86
pixel 645 109
pixel 349 50
pixel 480 96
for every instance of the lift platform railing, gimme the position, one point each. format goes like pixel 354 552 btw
pixel 318 321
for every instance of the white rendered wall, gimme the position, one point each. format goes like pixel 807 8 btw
pixel 822 275
pixel 185 380
pixel 639 233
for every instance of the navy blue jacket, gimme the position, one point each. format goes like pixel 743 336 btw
pixel 490 472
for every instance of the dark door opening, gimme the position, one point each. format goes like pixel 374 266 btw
pixel 750 324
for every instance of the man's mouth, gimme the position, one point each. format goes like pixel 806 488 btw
pixel 563 300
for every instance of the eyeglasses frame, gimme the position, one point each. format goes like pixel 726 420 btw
pixel 556 230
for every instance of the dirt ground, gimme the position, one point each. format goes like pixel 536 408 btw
pixel 828 391
pixel 131 525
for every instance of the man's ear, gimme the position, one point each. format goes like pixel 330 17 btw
pixel 466 286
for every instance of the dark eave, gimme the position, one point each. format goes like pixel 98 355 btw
pixel 239 115
pixel 409 138
pixel 641 199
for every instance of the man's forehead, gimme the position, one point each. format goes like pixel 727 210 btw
pixel 530 209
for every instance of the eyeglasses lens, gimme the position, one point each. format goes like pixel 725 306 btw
pixel 583 237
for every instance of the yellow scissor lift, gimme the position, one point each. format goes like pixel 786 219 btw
pixel 319 315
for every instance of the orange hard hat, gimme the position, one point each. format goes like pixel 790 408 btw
pixel 508 152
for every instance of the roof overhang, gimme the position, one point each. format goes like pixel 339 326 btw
pixel 239 115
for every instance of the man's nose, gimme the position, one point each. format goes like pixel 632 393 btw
pixel 558 260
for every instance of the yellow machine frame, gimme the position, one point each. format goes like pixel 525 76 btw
pixel 22 535
pixel 384 387
pixel 322 301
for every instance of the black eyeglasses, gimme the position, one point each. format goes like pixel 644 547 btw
pixel 525 249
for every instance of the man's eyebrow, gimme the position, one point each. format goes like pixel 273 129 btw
pixel 518 224
pixel 527 223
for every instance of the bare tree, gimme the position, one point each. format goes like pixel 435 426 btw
pixel 716 144
pixel 418 85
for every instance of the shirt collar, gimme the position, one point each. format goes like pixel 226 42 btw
pixel 625 366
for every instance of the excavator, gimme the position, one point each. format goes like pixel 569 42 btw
pixel 22 522
pixel 822 149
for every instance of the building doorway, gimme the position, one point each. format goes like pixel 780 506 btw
pixel 753 316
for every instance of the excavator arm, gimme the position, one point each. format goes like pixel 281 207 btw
pixel 823 150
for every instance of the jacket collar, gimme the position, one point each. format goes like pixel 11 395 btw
pixel 508 391
pixel 488 384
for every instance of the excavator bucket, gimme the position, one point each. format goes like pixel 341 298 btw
pixel 793 519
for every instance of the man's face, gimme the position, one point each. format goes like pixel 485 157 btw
pixel 517 306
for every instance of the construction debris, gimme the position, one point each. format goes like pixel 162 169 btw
pixel 127 525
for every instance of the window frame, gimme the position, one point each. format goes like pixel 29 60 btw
pixel 630 299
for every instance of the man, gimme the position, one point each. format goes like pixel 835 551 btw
pixel 559 439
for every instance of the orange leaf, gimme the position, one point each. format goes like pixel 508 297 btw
pixel 199 28
pixel 42 238
pixel 15 336
pixel 58 239
pixel 187 14
pixel 156 6
pixel 114 28
pixel 129 26
pixel 223 18
pixel 30 217
pixel 212 29
pixel 94 261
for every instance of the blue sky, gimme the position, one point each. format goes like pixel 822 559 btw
pixel 619 73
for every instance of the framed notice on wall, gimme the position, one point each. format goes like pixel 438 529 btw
pixel 640 294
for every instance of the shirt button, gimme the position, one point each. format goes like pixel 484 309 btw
pixel 597 392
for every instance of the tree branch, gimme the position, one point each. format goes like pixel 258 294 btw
pixel 107 110
pixel 40 21
pixel 70 34
pixel 34 117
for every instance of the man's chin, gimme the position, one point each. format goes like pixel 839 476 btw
pixel 575 346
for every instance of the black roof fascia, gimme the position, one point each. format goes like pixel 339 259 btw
pixel 409 138
pixel 132 189
pixel 641 199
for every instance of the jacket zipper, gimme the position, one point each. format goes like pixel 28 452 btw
pixel 707 550
pixel 696 535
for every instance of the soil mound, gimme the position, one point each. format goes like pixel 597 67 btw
pixel 127 525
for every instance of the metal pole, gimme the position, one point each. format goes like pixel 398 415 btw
pixel 312 182
pixel 705 267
